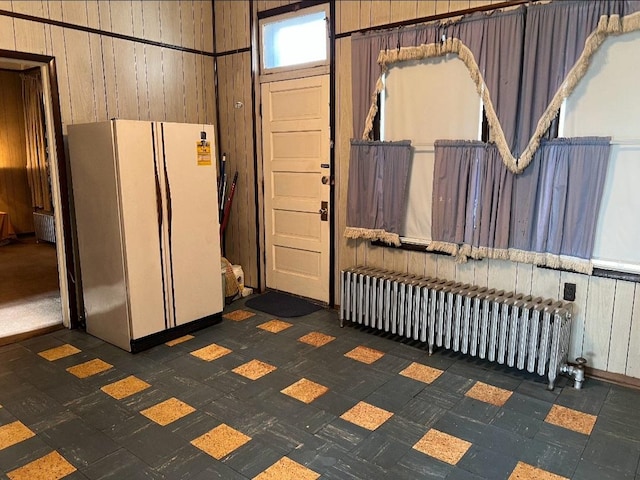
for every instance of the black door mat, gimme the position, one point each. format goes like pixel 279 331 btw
pixel 282 305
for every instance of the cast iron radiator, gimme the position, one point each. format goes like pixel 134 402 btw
pixel 44 227
pixel 522 331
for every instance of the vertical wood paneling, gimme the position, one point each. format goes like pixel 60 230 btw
pixel 191 80
pixel 109 70
pixel 74 12
pixel 7 36
pixel 402 10
pixel 30 37
pixel 620 327
pixel 58 50
pixel 209 93
pixel 236 137
pixel 426 9
pixel 93 14
pixel 54 9
pixel 503 275
pixel 545 283
pixel 365 14
pixel 121 17
pixel 104 16
pixel 170 23
pixel 206 10
pixel 446 267
pixel 481 274
pixel 151 19
pixel 348 16
pixel 141 81
pixel 188 24
pixel 155 82
pixel 80 76
pixel 633 354
pixel 598 320
pixel 223 32
pixel 172 77
pixel 431 265
pixel 415 263
pixel 380 12
pixel 524 277
pixel 98 83
pixel 15 196
pixel 457 5
pixel 28 7
pixel 137 19
pixel 465 272
pixel 125 79
pixel 345 249
pixel 579 309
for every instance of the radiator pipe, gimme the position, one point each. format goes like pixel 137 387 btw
pixel 575 371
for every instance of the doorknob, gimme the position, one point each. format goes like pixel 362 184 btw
pixel 324 211
pixel 326 180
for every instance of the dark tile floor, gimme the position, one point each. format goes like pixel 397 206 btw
pixel 301 398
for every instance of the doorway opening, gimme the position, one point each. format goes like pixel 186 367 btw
pixel 35 245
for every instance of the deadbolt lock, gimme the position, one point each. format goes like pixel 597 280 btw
pixel 324 211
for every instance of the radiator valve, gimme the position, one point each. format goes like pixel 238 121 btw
pixel 576 371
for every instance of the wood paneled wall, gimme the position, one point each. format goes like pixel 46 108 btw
pixel 102 77
pixel 606 322
pixel 15 195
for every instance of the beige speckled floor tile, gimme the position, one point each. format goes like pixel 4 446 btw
pixel 420 372
pixel 489 394
pixel 442 446
pixel 57 353
pixel 211 352
pixel 524 471
pixel 50 467
pixel 254 369
pixel 87 369
pixel 287 469
pixel 316 339
pixel 177 341
pixel 366 416
pixel 13 433
pixel 275 326
pixel 364 354
pixel 305 390
pixel 571 419
pixel 168 411
pixel 220 441
pixel 238 315
pixel 125 388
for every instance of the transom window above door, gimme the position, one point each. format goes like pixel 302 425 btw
pixel 295 41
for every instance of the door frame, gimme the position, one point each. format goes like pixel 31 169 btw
pixel 68 272
pixel 258 79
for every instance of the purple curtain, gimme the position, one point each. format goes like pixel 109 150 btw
pixel 554 38
pixel 555 203
pixel 471 195
pixel 365 70
pixel 496 40
pixel 378 182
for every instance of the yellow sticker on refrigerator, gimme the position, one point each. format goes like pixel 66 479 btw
pixel 204 153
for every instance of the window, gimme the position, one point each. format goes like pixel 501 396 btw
pixel 299 41
pixel 607 102
pixel 425 101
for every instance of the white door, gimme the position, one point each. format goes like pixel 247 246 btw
pixel 296 146
pixel 193 231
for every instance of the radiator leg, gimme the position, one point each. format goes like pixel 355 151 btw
pixel 575 371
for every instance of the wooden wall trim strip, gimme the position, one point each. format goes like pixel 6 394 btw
pixel 439 16
pixel 232 52
pixel 81 28
pixel 292 7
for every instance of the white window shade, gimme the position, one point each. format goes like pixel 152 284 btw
pixel 425 101
pixel 607 103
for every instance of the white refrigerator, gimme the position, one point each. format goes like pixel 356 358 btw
pixel 146 214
